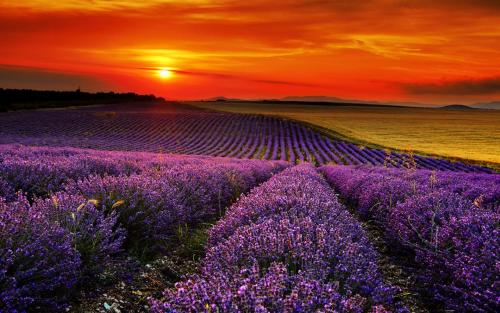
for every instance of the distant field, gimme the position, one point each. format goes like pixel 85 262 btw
pixel 472 135
pixel 173 128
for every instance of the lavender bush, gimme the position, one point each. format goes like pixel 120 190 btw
pixel 287 246
pixel 455 239
pixel 38 264
pixel 453 235
pixel 40 171
pixel 6 190
pixel 152 205
pixel 94 235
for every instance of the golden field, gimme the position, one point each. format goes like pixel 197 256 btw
pixel 463 134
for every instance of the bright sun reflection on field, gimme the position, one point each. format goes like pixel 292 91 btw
pixel 164 73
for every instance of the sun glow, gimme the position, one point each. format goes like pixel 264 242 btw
pixel 165 73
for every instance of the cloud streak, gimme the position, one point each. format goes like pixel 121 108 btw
pixel 26 77
pixel 95 5
pixel 237 77
pixel 485 86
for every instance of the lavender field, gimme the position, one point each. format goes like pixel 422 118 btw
pixel 174 209
pixel 176 128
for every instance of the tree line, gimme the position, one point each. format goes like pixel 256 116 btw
pixel 28 99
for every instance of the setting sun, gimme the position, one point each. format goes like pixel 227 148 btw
pixel 164 73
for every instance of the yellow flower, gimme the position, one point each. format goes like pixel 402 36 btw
pixel 93 201
pixel 118 203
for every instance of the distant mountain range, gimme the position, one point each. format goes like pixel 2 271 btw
pixel 222 98
pixel 485 105
pixel 341 100
pixel 322 99
pixel 458 107
pixel 494 105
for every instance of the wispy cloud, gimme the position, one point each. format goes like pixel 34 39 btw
pixel 390 46
pixel 485 86
pixel 236 77
pixel 28 77
pixel 95 5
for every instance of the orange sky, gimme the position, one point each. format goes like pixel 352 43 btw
pixel 388 50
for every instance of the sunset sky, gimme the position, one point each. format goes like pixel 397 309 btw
pixel 443 51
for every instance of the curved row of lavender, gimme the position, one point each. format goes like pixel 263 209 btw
pixel 288 246
pixel 39 171
pixel 447 222
pixel 94 206
pixel 199 133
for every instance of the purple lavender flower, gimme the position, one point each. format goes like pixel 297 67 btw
pixel 96 236
pixel 38 264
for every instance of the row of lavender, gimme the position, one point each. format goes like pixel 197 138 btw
pixel 39 171
pixel 200 133
pixel 447 222
pixel 288 246
pixel 53 245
